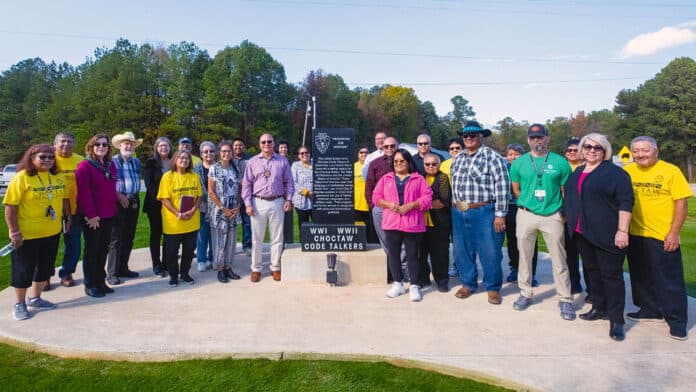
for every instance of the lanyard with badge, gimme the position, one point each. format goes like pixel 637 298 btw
pixel 539 193
pixel 49 193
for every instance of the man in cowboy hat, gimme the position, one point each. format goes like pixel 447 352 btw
pixel 480 192
pixel 128 195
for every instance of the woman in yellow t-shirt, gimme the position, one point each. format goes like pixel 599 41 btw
pixel 35 203
pixel 360 206
pixel 180 193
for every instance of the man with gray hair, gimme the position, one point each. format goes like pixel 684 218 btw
pixel 67 160
pixel 424 144
pixel 654 253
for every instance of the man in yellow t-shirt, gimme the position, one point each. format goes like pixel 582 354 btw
pixel 67 160
pixel 654 254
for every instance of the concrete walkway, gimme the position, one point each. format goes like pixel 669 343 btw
pixel 147 320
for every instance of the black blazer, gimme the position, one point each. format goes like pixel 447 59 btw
pixel 605 191
pixel 442 217
pixel 152 176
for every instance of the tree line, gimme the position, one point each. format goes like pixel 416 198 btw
pixel 243 92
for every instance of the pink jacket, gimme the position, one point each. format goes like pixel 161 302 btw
pixel 416 189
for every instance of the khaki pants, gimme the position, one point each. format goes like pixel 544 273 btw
pixel 268 213
pixel 551 228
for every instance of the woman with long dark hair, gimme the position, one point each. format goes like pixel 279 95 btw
pixel 405 196
pixel 35 203
pixel 155 168
pixel 180 193
pixel 96 205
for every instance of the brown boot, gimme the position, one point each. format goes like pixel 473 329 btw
pixel 494 298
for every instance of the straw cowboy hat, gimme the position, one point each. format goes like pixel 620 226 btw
pixel 126 136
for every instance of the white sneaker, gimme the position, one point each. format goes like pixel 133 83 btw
pixel 396 290
pixel 201 267
pixel 414 291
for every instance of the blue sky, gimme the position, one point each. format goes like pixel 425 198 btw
pixel 530 60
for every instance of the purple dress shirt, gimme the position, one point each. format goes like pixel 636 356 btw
pixel 267 178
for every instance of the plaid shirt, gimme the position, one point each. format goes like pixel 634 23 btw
pixel 128 181
pixel 481 177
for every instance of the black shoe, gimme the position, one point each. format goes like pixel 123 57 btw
pixel 616 331
pixel 222 277
pixel 442 287
pixel 163 272
pixel 642 315
pixel 113 280
pixel 230 274
pixel 425 283
pixel 593 315
pixel 173 282
pixel 156 270
pixel 588 300
pixel 187 278
pixel 128 274
pixel 678 333
pixel 94 292
pixel 106 289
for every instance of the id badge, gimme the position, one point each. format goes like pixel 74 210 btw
pixel 51 212
pixel 540 195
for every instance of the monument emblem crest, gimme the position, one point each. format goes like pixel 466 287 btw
pixel 322 140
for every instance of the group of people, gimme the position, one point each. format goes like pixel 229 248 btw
pixel 582 204
pixel 585 207
pixel 193 205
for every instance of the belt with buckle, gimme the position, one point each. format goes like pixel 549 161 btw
pixel 268 198
pixel 463 206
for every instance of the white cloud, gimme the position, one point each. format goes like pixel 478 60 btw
pixel 667 37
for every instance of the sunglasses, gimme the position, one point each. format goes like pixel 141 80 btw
pixel 388 146
pixel 571 150
pixel 471 135
pixel 423 143
pixel 266 141
pixel 430 164
pixel 210 152
pixel 46 157
pixel 101 144
pixel 536 137
pixel 589 147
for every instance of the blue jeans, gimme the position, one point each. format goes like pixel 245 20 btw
pixel 71 253
pixel 204 243
pixel 473 234
pixel 246 229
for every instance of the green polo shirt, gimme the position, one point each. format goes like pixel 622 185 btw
pixel 555 173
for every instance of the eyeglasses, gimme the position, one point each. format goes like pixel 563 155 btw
pixel 430 164
pixel 210 152
pixel 388 146
pixel 455 148
pixel 101 144
pixel 304 153
pixel 266 141
pixel 471 135
pixel 423 143
pixel 588 147
pixel 571 150
pixel 536 137
pixel 399 161
pixel 46 157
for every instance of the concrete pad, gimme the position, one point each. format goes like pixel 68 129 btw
pixel 535 349
pixel 354 268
